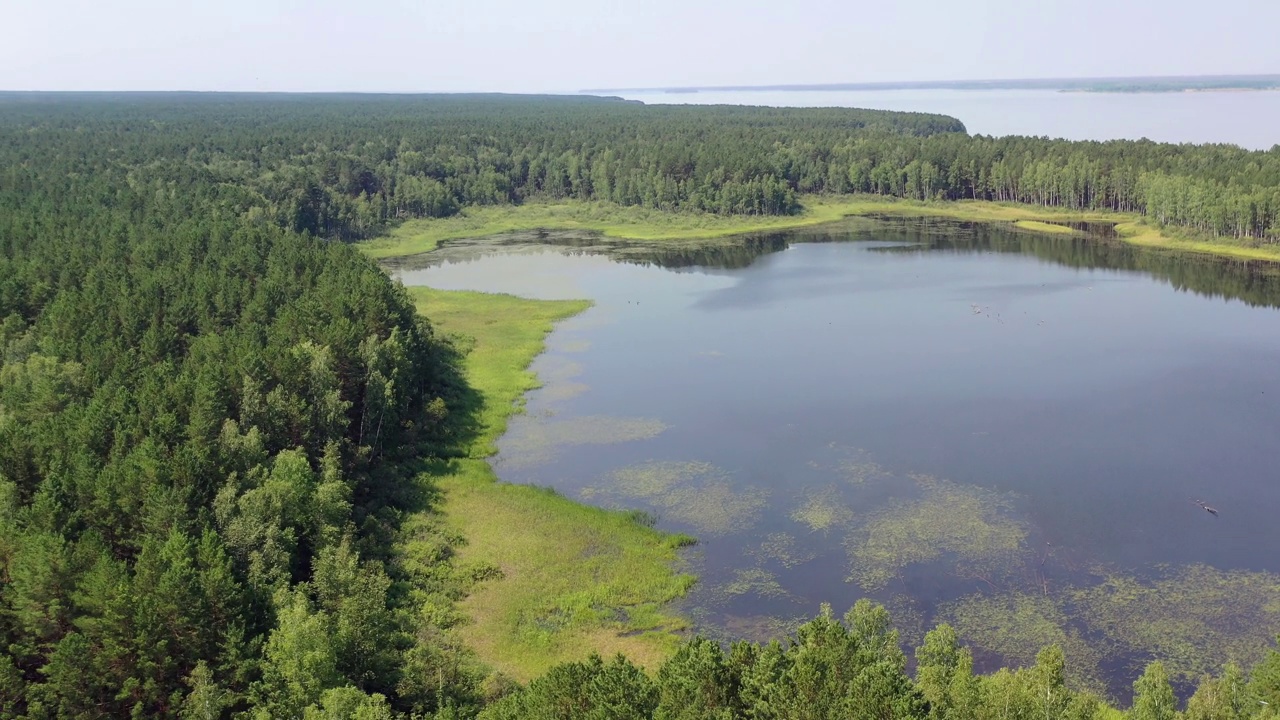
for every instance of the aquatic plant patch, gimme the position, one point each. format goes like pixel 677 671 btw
pixel 969 523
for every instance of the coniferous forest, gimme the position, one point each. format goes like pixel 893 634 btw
pixel 208 399
pixel 345 166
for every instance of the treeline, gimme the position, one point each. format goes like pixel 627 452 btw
pixel 854 670
pixel 346 166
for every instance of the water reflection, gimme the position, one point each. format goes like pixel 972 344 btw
pixel 1255 282
pixel 732 254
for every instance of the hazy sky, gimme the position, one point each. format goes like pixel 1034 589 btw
pixel 566 45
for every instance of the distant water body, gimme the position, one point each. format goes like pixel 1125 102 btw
pixel 1244 118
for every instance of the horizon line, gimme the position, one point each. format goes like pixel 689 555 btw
pixel 1261 81
pixel 995 83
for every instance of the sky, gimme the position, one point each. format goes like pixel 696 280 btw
pixel 569 45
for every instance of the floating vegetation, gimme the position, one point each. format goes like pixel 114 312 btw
pixel 559 369
pixel 823 510
pixel 854 465
pixel 783 549
pixel 754 581
pixel 760 628
pixel 860 468
pixel 1017 626
pixel 694 493
pixel 561 391
pixel 908 619
pixel 1195 619
pixel 533 442
pixel 967 522
pixel 652 479
pixel 717 508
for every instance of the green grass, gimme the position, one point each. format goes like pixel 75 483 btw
pixel 504 334
pixel 1045 227
pixel 980 211
pixel 634 223
pixel 1142 235
pixel 623 222
pixel 574 579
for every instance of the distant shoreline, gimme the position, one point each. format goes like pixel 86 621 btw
pixel 1171 91
pixel 1207 83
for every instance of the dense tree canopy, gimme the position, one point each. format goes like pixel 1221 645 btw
pixel 342 167
pixel 345 166
pixel 196 410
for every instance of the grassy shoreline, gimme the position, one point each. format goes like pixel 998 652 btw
pixel 633 223
pixel 574 578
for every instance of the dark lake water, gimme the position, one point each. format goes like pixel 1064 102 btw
pixel 1241 118
pixel 1001 430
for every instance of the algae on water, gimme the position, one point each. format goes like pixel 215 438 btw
pixel 652 479
pixel 754 581
pixel 761 628
pixel 697 494
pixel 854 465
pixel 1016 626
pixel 908 619
pixel 557 374
pixel 947 519
pixel 823 510
pixel 535 441
pixel 783 549
pixel 717 508
pixel 1195 618
pixel 858 468
pixel 558 369
pixel 561 391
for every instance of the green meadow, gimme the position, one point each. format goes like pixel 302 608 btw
pixel 568 579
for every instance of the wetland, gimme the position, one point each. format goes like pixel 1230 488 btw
pixel 969 423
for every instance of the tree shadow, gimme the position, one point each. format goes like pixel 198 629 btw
pixel 447 426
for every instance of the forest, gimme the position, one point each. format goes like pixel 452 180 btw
pixel 346 167
pixel 209 402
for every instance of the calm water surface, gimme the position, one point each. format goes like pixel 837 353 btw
pixel 1241 118
pixel 958 421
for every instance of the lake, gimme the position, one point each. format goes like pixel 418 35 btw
pixel 1241 118
pixel 968 423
